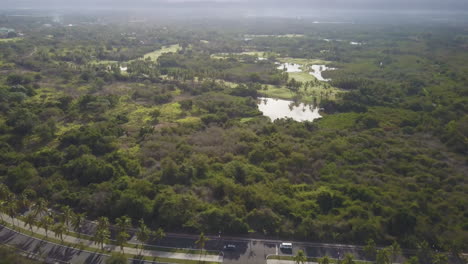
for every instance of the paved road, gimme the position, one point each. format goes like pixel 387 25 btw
pixel 256 251
pixel 54 253
pixel 47 249
pixel 248 251
pixel 134 251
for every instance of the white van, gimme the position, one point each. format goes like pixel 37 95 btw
pixel 286 245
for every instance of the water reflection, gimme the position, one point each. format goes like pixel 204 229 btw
pixel 290 67
pixel 278 108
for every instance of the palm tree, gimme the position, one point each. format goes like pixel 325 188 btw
pixel 383 256
pixel 59 229
pixel 121 238
pixel 46 222
pixel 30 220
pixel 370 249
pixel 348 259
pixel 201 242
pixel 4 191
pixel 300 257
pixel 102 231
pixel 324 260
pixel 67 214
pixel 24 202
pixel 159 234
pixel 12 210
pixel 3 208
pixel 40 207
pixel 143 233
pixel 439 258
pixel 103 223
pixel 77 222
pixel 123 223
pixel 101 237
pixel 395 251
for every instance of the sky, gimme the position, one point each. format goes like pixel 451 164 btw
pixel 344 4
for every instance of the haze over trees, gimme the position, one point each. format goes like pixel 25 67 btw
pixel 156 126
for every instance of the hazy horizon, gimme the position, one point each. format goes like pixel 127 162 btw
pixel 422 5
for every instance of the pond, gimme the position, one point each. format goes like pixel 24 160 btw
pixel 290 67
pixel 278 108
pixel 317 71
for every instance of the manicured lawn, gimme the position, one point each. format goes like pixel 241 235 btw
pixel 166 49
pixel 10 39
pixel 337 121
pixel 291 258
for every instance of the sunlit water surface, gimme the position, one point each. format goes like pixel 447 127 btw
pixel 278 108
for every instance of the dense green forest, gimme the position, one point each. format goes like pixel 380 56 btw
pixel 161 122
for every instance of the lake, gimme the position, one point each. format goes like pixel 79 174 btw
pixel 278 108
pixel 290 67
pixel 317 71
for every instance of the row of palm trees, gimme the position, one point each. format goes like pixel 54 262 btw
pixel 301 258
pixel 386 255
pixel 38 214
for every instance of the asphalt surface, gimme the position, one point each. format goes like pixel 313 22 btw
pixel 54 253
pixel 47 250
pixel 255 251
pixel 246 252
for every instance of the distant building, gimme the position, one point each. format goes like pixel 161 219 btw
pixel 4 31
pixel 7 32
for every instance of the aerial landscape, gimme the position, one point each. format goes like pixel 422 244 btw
pixel 231 131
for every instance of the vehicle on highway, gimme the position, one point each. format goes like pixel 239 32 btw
pixel 107 248
pixel 230 247
pixel 286 246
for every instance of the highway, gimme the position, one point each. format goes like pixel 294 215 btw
pixel 247 251
pixel 48 250
pixel 255 251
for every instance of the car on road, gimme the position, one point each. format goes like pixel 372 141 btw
pixel 107 248
pixel 230 247
pixel 285 245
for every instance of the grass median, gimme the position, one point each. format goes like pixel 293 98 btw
pixel 82 247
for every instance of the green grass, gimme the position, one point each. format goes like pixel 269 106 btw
pixel 301 76
pixel 138 116
pixel 157 53
pixel 104 62
pixel 247 119
pixel 308 96
pixel 338 121
pixel 10 39
pixel 262 54
pixel 154 55
pixel 189 120
pixel 169 260
pixel 291 258
pixel 304 62
pixel 170 112
pixel 277 92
